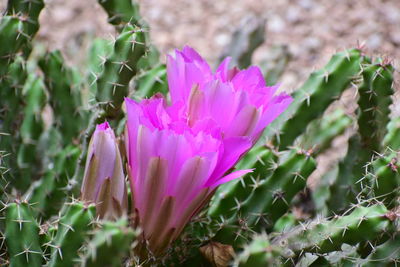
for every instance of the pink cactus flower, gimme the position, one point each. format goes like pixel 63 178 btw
pixel 238 101
pixel 104 179
pixel 179 154
pixel 173 169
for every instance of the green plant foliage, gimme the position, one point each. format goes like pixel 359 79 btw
pixel 278 215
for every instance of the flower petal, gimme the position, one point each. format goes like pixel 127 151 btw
pixel 230 177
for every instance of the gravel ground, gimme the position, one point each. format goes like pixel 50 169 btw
pixel 313 30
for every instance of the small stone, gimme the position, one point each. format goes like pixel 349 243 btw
pixel 276 24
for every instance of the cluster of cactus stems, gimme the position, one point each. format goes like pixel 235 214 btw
pixel 49 111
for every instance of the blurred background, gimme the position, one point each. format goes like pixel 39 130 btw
pixel 310 30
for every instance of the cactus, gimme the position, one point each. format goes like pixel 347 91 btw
pixel 121 12
pixel 119 68
pixel 321 132
pixel 275 63
pixel 30 130
pixel 110 244
pixel 125 12
pixel 314 96
pixel 22 235
pixel 390 140
pixel 323 236
pixel 11 28
pixel 386 254
pixel 51 191
pixel 385 179
pixel 151 82
pixel 322 193
pixel 73 226
pixel 347 256
pixel 65 97
pixel 231 194
pixel 49 110
pixel 98 52
pixel 29 12
pixel 269 199
pixel 375 99
pixel 342 191
pixel 259 252
pixel 249 35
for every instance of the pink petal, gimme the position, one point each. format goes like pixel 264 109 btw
pixel 272 111
pixel 249 79
pixel 245 122
pixel 230 177
pixel 192 56
pixel 175 76
pixel 193 172
pixel 222 71
pixel 220 102
pixel 233 149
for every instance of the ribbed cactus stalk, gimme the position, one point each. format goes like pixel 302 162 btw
pixel 73 228
pixel 65 96
pixel 269 199
pixel 385 179
pixel 228 196
pixel 31 128
pixel 28 12
pixel 310 100
pixel 121 12
pixel 119 68
pixel 259 252
pixel 110 244
pixel 56 185
pixel 374 101
pixel 151 82
pixel 321 132
pixel 375 93
pixel 390 140
pixel 323 236
pixel 386 254
pixel 22 235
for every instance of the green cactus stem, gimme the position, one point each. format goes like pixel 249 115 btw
pixel 22 235
pixel 270 198
pixel 110 244
pixel 375 98
pixel 259 252
pixel 321 132
pixel 248 36
pixel 323 236
pixel 151 82
pixel 73 227
pixel 311 100
pixel 227 197
pixel 51 191
pixel 28 11
pixel 391 139
pixel 63 84
pixel 385 179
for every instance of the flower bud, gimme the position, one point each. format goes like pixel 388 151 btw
pixel 104 179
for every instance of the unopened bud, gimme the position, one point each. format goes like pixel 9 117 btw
pixel 104 179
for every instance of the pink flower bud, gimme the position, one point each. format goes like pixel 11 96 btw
pixel 104 179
